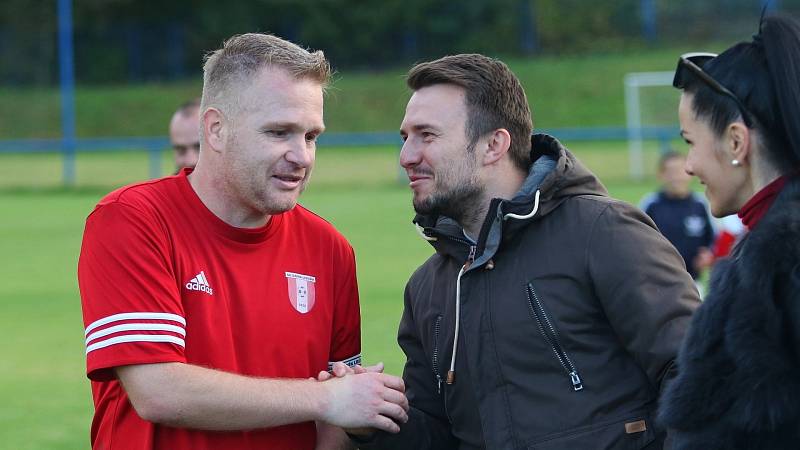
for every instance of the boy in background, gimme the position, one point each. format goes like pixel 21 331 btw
pixel 681 215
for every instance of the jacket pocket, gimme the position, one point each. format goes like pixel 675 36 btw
pixel 634 432
pixel 550 334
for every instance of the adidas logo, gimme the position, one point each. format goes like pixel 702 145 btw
pixel 200 283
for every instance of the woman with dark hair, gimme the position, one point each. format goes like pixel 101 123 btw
pixel 739 369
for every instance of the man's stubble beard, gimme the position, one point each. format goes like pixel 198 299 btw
pixel 458 203
pixel 273 207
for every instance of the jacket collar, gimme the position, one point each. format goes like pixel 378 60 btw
pixel 554 176
pixel 776 229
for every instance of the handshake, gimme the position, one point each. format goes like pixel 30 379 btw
pixel 362 400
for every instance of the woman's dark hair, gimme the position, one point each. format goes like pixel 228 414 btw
pixel 765 75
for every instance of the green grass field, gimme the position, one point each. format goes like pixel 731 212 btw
pixel 46 397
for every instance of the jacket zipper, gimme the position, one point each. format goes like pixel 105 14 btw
pixel 436 330
pixel 471 257
pixel 549 333
pixel 472 248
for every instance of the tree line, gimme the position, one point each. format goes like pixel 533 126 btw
pixel 140 40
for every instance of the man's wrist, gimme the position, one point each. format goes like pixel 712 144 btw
pixel 320 396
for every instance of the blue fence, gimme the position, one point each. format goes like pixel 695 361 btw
pixel 69 145
pixel 154 146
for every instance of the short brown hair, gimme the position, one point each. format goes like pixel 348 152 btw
pixel 494 97
pixel 243 55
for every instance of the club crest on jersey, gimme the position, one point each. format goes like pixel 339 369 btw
pixel 301 291
pixel 199 283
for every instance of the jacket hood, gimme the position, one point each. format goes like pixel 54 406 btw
pixel 555 174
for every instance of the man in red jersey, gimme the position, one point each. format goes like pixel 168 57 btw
pixel 210 298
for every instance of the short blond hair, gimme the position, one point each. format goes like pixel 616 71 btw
pixel 244 55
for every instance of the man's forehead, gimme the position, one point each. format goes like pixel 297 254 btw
pixel 439 93
pixel 280 78
pixel 185 128
pixel 436 102
pixel 281 88
pixel 182 118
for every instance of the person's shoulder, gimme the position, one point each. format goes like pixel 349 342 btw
pixel 147 199
pixel 309 220
pixel 583 212
pixel 775 242
pixel 649 200
pixel 605 213
pixel 602 205
pixel 141 195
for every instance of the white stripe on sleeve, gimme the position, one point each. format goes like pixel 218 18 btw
pixel 135 316
pixel 135 327
pixel 135 338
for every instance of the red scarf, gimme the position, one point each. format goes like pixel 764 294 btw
pixel 755 208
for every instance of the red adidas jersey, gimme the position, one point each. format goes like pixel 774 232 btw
pixel 162 279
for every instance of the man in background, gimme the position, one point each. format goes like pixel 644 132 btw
pixel 184 134
pixel 680 214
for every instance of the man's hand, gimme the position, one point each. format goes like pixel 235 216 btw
pixel 341 369
pixel 359 398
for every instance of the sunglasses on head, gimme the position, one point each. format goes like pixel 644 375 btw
pixel 693 63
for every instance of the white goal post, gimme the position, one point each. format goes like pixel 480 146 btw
pixel 633 113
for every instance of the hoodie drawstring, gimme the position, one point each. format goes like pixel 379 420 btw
pixel 530 214
pixel 451 374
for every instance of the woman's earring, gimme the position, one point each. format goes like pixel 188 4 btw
pixel 736 163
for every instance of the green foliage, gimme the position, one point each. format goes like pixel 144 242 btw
pixel 570 91
pixel 136 40
pixel 595 27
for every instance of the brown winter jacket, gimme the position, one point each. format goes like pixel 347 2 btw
pixel 570 320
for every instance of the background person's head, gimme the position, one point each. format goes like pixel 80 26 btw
pixel 672 174
pixel 184 134
pixel 737 148
pixel 468 112
pixel 262 113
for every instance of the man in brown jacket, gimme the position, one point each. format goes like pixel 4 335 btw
pixel 551 314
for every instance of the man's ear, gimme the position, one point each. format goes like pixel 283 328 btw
pixel 215 129
pixel 739 142
pixel 497 145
